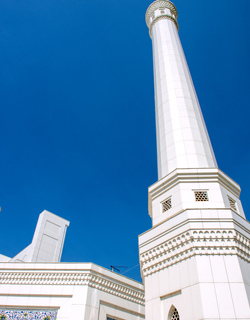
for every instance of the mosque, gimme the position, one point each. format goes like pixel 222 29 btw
pixel 194 260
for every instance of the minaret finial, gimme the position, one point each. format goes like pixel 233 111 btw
pixel 161 9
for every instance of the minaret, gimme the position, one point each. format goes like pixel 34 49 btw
pixel 182 138
pixel 195 259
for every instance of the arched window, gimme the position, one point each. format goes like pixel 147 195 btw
pixel 173 314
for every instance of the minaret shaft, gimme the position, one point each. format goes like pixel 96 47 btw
pixel 186 161
pixel 182 138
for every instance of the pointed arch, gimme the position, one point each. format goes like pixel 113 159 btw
pixel 173 314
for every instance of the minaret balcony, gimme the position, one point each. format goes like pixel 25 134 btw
pixel 183 189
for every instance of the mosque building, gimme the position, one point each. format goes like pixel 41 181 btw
pixel 195 258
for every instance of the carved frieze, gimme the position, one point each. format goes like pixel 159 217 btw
pixel 195 242
pixel 72 278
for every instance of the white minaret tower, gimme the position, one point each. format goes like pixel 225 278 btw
pixel 195 259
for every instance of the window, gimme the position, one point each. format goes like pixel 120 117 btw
pixel 166 205
pixel 173 314
pixel 232 203
pixel 201 196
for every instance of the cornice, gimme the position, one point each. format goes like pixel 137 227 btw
pixel 193 175
pixel 193 243
pixel 23 277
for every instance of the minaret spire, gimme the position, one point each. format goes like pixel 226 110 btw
pixel 182 137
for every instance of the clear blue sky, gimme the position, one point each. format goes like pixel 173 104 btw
pixel 77 115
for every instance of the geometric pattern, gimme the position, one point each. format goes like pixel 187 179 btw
pixel 166 205
pixel 175 315
pixel 195 242
pixel 73 278
pixel 201 196
pixel 232 203
pixel 27 314
pixel 167 17
pixel 159 5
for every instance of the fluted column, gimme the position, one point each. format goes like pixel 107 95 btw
pixel 182 137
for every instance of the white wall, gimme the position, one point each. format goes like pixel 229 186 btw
pixel 80 291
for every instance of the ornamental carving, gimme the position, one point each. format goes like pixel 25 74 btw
pixel 74 278
pixel 194 242
pixel 157 5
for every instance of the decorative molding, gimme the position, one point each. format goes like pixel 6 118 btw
pixel 162 17
pixel 193 175
pixel 71 278
pixel 29 314
pixel 157 5
pixel 195 242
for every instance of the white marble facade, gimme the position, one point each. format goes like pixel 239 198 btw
pixel 34 285
pixel 195 261
pixel 198 261
pixel 48 240
pixel 69 291
pixel 182 138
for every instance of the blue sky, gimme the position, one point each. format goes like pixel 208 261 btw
pixel 77 116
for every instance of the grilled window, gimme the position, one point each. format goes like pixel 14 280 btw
pixel 166 205
pixel 173 314
pixel 201 196
pixel 232 203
